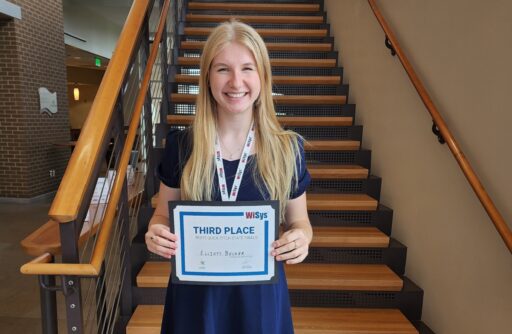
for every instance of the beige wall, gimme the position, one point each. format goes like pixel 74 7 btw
pixel 461 49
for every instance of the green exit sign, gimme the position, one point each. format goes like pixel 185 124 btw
pixel 97 61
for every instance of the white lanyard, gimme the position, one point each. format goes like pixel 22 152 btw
pixel 226 196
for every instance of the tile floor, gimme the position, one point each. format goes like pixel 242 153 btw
pixel 19 294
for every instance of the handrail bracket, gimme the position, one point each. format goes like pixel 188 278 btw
pixel 66 289
pixel 437 132
pixel 390 46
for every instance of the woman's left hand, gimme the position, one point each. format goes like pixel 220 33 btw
pixel 293 246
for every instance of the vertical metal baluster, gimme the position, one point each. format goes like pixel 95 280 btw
pixel 149 186
pixel 48 303
pixel 71 284
pixel 124 219
pixel 164 69
pixel 101 293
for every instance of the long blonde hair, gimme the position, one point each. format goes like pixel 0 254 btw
pixel 276 149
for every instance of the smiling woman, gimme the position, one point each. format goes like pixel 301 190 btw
pixel 234 114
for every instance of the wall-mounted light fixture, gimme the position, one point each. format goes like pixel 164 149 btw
pixel 76 93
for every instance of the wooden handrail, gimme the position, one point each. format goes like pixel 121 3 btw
pixel 93 268
pixel 99 251
pixel 478 188
pixel 79 171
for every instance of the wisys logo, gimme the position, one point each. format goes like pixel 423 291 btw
pixel 256 215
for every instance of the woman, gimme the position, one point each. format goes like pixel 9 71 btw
pixel 234 105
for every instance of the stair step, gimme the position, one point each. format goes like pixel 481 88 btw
pixel 351 247
pixel 154 274
pixel 255 18
pixel 339 202
pixel 147 319
pixel 276 71
pixel 320 171
pixel 255 7
pixel 304 276
pixel 277 90
pixel 278 99
pixel 285 121
pixel 393 255
pixel 276 80
pixel 297 110
pixel 360 157
pixel 299 62
pixel 322 276
pixel 370 186
pixel 324 237
pixel 326 110
pixel 309 320
pixel 265 32
pixel 408 300
pixel 198 45
pixel 381 218
pixel 329 202
pixel 332 145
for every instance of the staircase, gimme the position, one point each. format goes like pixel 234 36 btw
pixel 353 279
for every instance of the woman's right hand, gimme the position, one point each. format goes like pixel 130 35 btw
pixel 160 240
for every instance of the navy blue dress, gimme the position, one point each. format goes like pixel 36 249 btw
pixel 217 309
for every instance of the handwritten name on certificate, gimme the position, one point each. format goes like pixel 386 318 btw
pixel 224 242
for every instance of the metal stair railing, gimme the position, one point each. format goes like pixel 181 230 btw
pixel 108 179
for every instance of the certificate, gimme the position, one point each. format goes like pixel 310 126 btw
pixel 224 242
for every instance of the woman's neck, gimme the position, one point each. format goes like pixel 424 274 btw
pixel 234 126
pixel 232 131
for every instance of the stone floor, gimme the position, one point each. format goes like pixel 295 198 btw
pixel 19 294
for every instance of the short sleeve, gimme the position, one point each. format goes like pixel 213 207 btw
pixel 303 177
pixel 176 152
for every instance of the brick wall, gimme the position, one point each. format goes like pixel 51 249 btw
pixel 32 55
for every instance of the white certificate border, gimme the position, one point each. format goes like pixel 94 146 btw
pixel 193 279
pixel 184 271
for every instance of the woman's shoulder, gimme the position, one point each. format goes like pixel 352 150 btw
pixel 176 153
pixel 179 140
pixel 178 136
